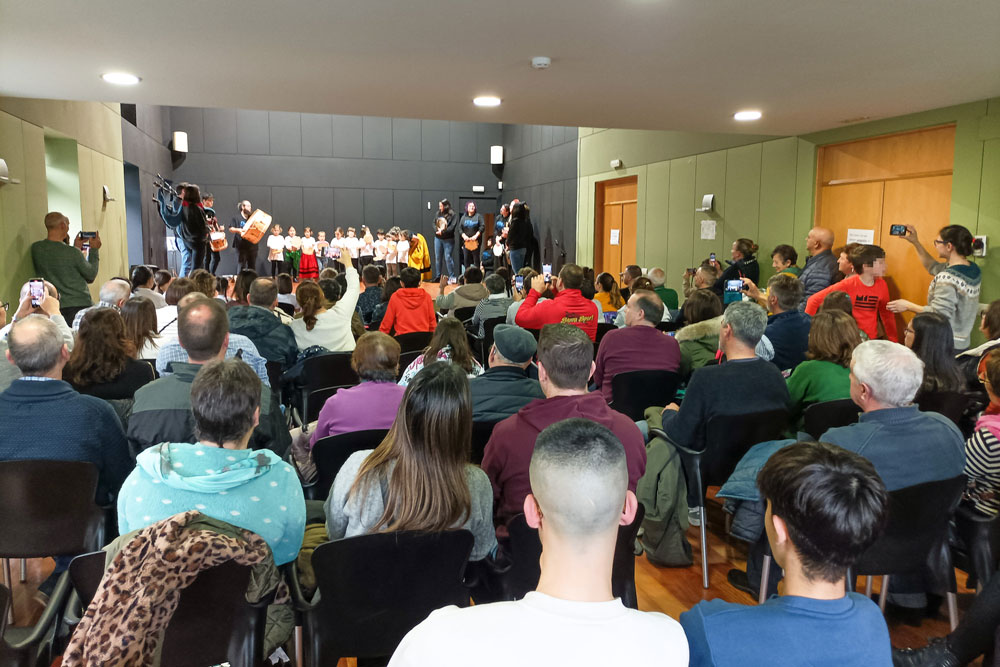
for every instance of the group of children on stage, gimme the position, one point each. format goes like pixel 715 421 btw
pixel 304 257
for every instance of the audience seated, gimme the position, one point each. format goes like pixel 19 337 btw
pixel 373 403
pixel 49 308
pixel 323 326
pixel 113 294
pixel 565 364
pixel 466 295
pixel 703 277
pixel 410 307
pixel 504 388
pixel 103 362
pixel 419 477
pixel 143 285
pixel 982 450
pixel 973 362
pixel 825 507
pixel 845 269
pixel 668 296
pixel 166 317
pixel 608 294
pixel 787 328
pixel 285 294
pixel 742 384
pixel 817 273
pixel 640 346
pixel 139 316
pixel 372 295
pixel 42 417
pixel 631 272
pixel 241 290
pixel 640 283
pixel 392 284
pixel 578 500
pixel 162 410
pixel 162 279
pixel 569 306
pixel 699 338
pixel 449 343
pixel 204 282
pixel 214 472
pixel 783 259
pixel 743 265
pixel 65 265
pixel 527 275
pixel 494 305
pixel 930 337
pixel 868 291
pixel 260 323
pixel 825 376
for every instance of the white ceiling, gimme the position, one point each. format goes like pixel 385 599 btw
pixel 659 64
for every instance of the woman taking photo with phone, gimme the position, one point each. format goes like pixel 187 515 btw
pixel 954 290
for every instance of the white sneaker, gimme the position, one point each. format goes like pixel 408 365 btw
pixel 694 516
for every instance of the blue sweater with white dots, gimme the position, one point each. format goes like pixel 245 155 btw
pixel 251 489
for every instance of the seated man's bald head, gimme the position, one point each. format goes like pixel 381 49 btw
pixel 823 236
pixel 35 345
pixel 579 478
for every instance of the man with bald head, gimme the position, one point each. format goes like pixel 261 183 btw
pixel 65 265
pixel 162 409
pixel 113 294
pixel 820 266
pixel 579 497
pixel 246 256
pixel 42 417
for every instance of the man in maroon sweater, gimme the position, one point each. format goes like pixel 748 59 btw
pixel 568 307
pixel 640 346
pixel 565 364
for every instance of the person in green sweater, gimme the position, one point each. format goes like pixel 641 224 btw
pixel 65 266
pixel 825 375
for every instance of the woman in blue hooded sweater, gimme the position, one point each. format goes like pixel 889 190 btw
pixel 218 475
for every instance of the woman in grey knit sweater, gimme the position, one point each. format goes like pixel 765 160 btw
pixel 954 290
pixel 419 477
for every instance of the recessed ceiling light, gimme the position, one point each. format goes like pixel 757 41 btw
pixel 121 78
pixel 486 101
pixel 747 114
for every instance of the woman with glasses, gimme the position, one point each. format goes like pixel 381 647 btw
pixel 954 290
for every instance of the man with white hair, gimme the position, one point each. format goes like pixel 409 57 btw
pixel 657 276
pixel 113 294
pixel 65 265
pixel 579 496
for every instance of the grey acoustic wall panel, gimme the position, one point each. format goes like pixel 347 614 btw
pixel 317 135
pixel 547 140
pixel 251 132
pixel 378 209
pixel 405 139
pixel 285 131
pixel 317 208
pixel 183 119
pixel 487 134
pixel 220 131
pixel 463 142
pixel 435 140
pixel 348 207
pixel 347 132
pixel 287 205
pixel 406 208
pixel 227 198
pixel 258 195
pixel 377 138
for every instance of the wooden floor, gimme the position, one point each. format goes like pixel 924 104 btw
pixel 667 590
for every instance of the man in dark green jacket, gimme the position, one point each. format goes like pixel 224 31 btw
pixel 505 388
pixel 162 409
pixel 260 323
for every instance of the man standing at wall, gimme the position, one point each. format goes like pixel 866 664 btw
pixel 819 268
pixel 246 251
pixel 65 266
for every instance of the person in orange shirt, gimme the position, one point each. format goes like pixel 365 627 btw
pixel 410 307
pixel 868 291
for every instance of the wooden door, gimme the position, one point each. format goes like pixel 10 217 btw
pixel 615 224
pixel 852 206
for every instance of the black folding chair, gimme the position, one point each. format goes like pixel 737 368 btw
pixel 330 453
pixel 487 341
pixel 980 544
pixel 414 341
pixel 727 439
pixel 465 314
pixel 951 404
pixel 5 598
pixel 481 432
pixel 375 588
pixel 634 391
pixel 405 359
pixel 821 417
pixel 288 308
pixel 213 622
pixel 603 328
pixel 318 378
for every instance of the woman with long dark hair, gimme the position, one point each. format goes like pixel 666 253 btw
pixel 143 283
pixel 193 230
pixel 743 265
pixel 140 327
pixel 518 236
pixel 103 362
pixel 930 337
pixel 954 290
pixel 419 477
pixel 449 343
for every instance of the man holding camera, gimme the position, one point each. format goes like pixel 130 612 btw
pixel 568 307
pixel 64 265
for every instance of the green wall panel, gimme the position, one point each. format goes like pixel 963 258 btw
pixel 777 202
pixel 680 221
pixel 653 248
pixel 710 178
pixel 742 193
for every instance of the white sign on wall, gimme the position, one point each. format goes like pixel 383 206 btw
pixel 863 236
pixel 708 230
pixel 615 236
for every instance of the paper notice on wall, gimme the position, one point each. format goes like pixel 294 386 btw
pixel 864 236
pixel 616 237
pixel 708 230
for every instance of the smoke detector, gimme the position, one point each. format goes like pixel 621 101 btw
pixel 541 62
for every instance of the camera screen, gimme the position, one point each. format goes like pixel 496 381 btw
pixel 734 285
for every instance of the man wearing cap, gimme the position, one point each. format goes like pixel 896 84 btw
pixel 505 388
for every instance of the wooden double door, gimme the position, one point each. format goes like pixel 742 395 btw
pixel 616 212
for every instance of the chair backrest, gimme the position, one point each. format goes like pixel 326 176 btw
pixel 5 601
pixel 330 453
pixel 481 432
pixel 729 437
pixel 667 327
pixel 213 622
pixel 405 359
pixel 322 376
pixel 274 371
pixel 288 308
pixel 414 341
pixel 376 588
pixel 918 524
pixel 951 404
pixel 47 508
pixel 488 328
pixel 465 313
pixel 623 570
pixel 603 328
pixel 634 391
pixel 821 417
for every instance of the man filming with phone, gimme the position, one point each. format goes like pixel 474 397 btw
pixel 568 307
pixel 66 266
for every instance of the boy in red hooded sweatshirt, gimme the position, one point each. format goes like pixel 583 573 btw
pixel 410 308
